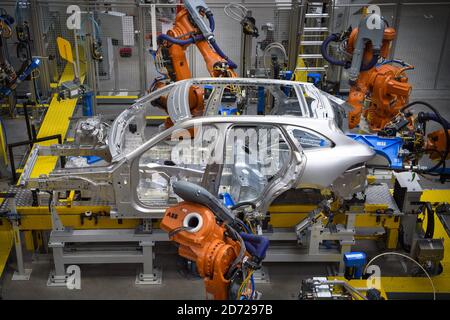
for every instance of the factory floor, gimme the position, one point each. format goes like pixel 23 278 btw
pixel 117 281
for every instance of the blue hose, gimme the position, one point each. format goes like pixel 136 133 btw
pixel 253 287
pixel 324 47
pixel 8 20
pixel 179 42
pixel 222 54
pixel 371 64
pixel 256 245
pixel 212 23
pixel 346 64
pixel 212 26
pixel 194 39
pixel 246 228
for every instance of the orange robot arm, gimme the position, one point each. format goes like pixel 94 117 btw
pixel 386 86
pixel 183 30
pixel 205 244
pixel 173 47
pixel 437 144
pixel 224 256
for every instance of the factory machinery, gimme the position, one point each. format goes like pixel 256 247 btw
pixel 231 243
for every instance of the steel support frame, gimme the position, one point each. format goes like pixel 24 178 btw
pixel 148 274
pixel 312 252
pixel 296 20
pixel 143 81
pixel 143 241
pixel 21 273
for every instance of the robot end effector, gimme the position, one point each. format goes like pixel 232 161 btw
pixel 415 140
pixel 11 84
pixel 209 234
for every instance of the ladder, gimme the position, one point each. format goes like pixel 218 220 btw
pixel 315 27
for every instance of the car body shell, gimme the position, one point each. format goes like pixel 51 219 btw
pixel 339 165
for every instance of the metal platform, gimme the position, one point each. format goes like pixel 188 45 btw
pixel 6 243
pixel 379 194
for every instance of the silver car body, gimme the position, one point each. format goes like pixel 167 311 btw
pixel 136 183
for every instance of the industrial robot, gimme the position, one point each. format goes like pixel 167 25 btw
pixel 380 92
pixel 373 79
pixel 225 251
pixel 170 58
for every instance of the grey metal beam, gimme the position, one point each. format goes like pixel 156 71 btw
pixel 141 48
pixel 300 255
pixel 295 21
pixel 88 257
pixel 113 235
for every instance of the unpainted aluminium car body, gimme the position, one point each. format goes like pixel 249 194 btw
pixel 337 164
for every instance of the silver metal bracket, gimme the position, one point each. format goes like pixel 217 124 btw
pixel 143 252
pixel 21 274
pixel 25 276
pixel 149 278
pixel 56 221
pixel 57 280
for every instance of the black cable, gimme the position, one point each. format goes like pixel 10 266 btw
pixel 241 252
pixel 429 232
pixel 441 154
pixel 177 230
pixel 422 103
pixel 324 50
pixel 244 203
pixel 371 63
